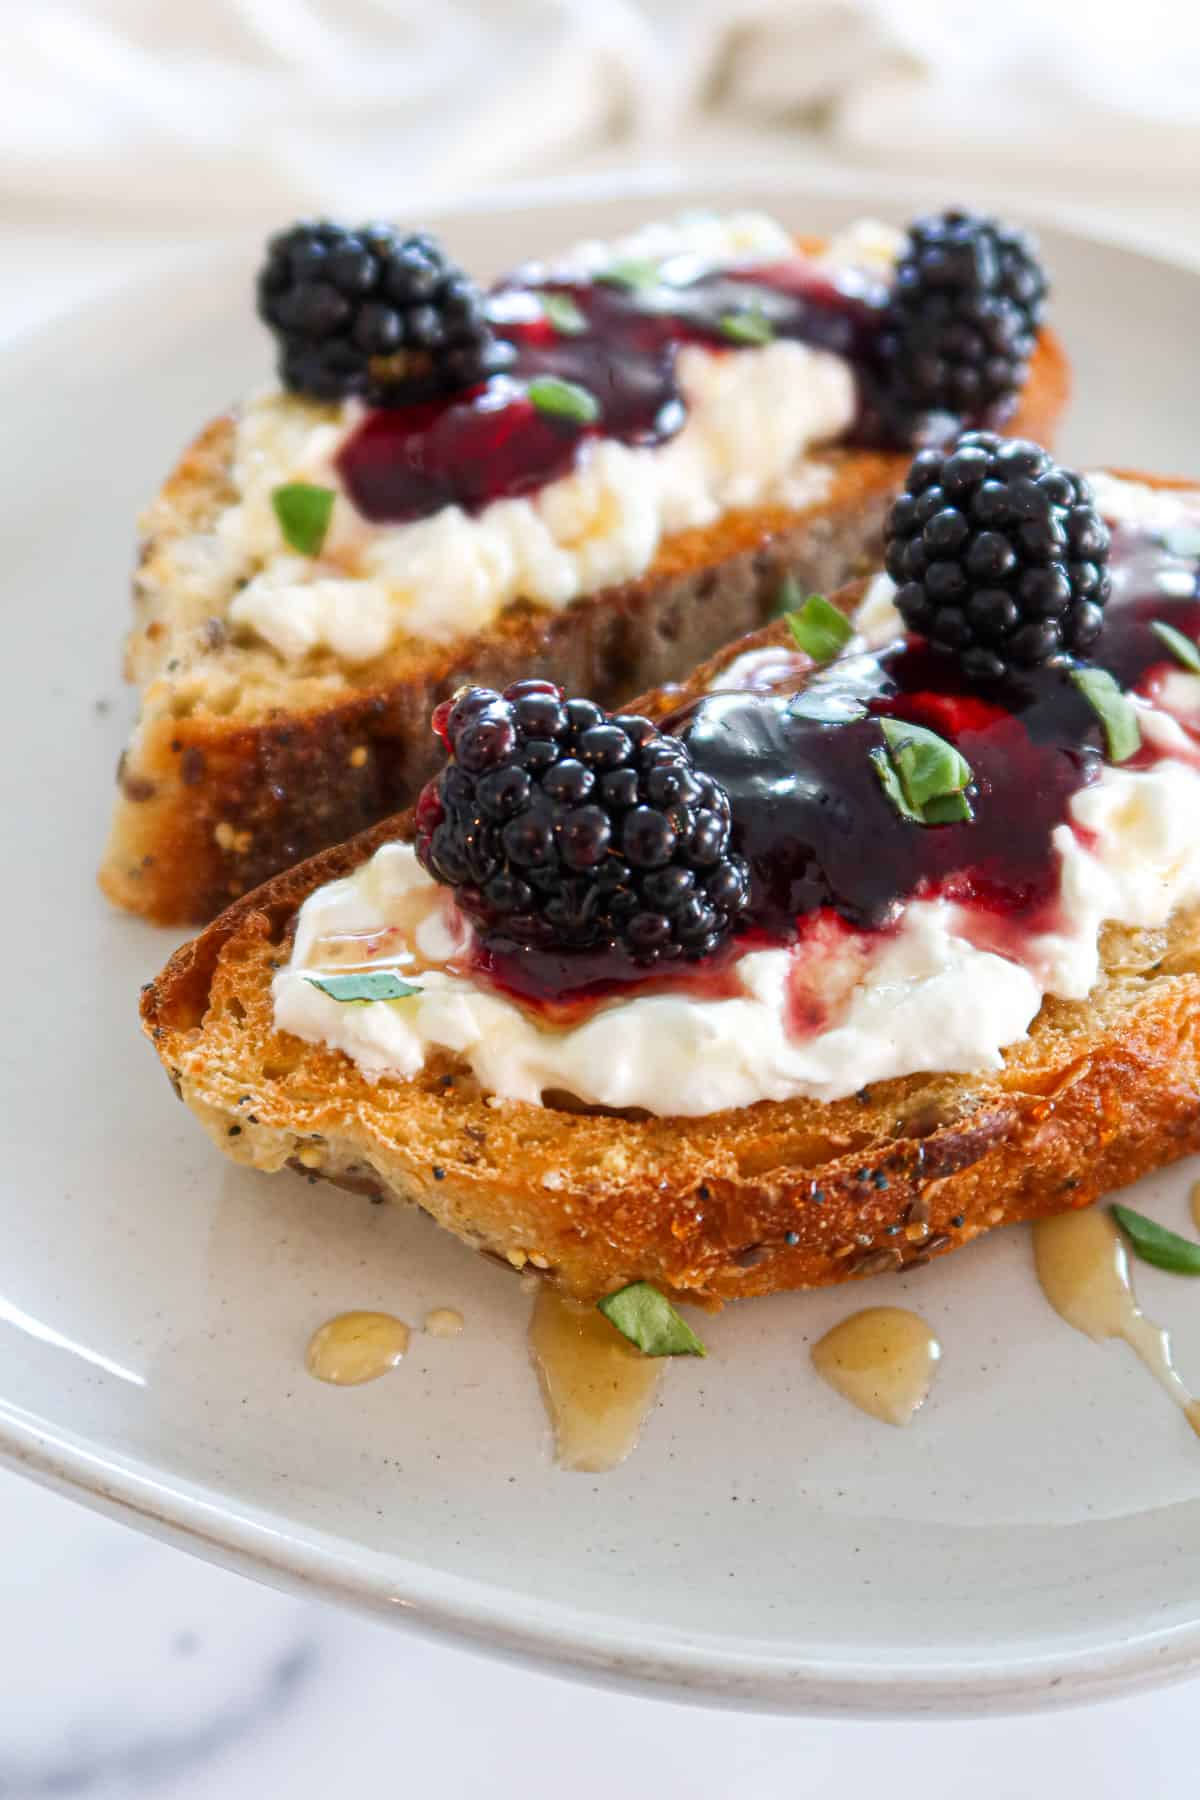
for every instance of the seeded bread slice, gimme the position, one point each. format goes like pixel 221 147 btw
pixel 774 1196
pixel 240 765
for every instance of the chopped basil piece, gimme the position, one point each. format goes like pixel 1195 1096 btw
pixel 376 984
pixel 648 1319
pixel 632 274
pixel 1115 709
pixel 947 809
pixel 749 327
pixel 1155 1244
pixel 304 512
pixel 931 775
pixel 563 314
pixel 1182 648
pixel 881 762
pixel 564 400
pixel 1183 541
pixel 819 629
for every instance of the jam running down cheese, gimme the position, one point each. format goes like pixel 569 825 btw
pixel 654 385
pixel 876 946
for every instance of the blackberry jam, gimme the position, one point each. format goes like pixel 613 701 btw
pixel 491 442
pixel 813 823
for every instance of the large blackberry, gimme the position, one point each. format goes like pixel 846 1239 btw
pixel 372 314
pixel 562 826
pixel 968 301
pixel 998 555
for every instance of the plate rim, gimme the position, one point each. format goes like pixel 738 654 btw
pixel 201 1520
pixel 196 1518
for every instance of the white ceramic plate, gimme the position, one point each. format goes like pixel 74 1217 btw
pixel 1033 1536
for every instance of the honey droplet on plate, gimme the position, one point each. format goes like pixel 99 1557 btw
pixel 444 1322
pixel 882 1360
pixel 356 1347
pixel 1083 1266
pixel 597 1387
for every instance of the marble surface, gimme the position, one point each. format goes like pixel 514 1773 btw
pixel 130 1669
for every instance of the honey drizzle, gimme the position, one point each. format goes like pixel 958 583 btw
pixel 1083 1266
pixel 882 1360
pixel 596 1386
pixel 355 1347
pixel 392 945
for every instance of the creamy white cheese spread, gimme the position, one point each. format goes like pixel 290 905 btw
pixel 926 994
pixel 754 420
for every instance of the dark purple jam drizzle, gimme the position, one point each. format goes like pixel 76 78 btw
pixel 492 443
pixel 822 838
pixel 815 825
pixel 817 829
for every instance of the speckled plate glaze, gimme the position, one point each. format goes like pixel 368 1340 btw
pixel 1032 1537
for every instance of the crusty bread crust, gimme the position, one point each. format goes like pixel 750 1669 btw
pixel 228 781
pixel 780 1195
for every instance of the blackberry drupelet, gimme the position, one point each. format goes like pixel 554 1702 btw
pixel 999 555
pixel 968 300
pixel 562 826
pixel 372 314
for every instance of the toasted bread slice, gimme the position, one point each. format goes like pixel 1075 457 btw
pixel 774 1196
pixel 241 765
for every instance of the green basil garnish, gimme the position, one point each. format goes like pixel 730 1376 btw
pixel 354 990
pixel 564 400
pixel 923 776
pixel 563 314
pixel 648 1319
pixel 1155 1244
pixel 1182 648
pixel 1115 710
pixel 304 512
pixel 749 327
pixel 630 274
pixel 819 629
pixel 889 781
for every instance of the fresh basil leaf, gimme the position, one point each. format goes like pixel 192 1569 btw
pixel 563 314
pixel 819 629
pixel 749 327
pixel 374 984
pixel 947 809
pixel 648 1319
pixel 304 512
pixel 631 274
pixel 1182 648
pixel 881 762
pixel 1115 710
pixel 927 765
pixel 1183 541
pixel 564 400
pixel 1155 1244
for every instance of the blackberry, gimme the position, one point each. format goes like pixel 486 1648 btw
pixel 998 554
pixel 373 314
pixel 968 300
pixel 561 826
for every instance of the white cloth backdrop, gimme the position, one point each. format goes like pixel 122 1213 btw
pixel 180 113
